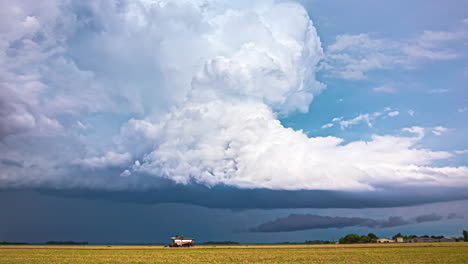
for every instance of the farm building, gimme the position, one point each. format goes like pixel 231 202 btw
pixel 421 240
pixel 181 241
pixel 384 240
pixel 430 240
pixel 399 239
pixel 448 239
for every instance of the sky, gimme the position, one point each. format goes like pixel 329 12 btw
pixel 260 121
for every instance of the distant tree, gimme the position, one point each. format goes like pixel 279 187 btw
pixel 364 239
pixel 65 243
pixel 350 239
pixel 465 235
pixel 397 235
pixel 372 236
pixel 221 243
pixel 13 243
pixel 317 242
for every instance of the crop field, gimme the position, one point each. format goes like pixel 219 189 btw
pixel 370 253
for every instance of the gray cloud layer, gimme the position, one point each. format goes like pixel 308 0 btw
pixel 235 198
pixel 296 222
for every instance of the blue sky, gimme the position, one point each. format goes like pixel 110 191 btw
pixel 248 111
pixel 434 90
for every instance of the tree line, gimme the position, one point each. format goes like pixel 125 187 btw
pixel 372 238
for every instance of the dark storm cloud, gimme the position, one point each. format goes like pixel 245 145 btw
pixel 234 198
pixel 11 163
pixel 428 218
pixel 454 216
pixel 296 222
pixel 32 217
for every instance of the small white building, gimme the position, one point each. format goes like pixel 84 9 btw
pixel 399 239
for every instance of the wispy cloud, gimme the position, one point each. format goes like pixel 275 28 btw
pixel 327 125
pixel 455 216
pixel 367 118
pixel 353 56
pixel 82 125
pixel 439 130
pixel 388 89
pixel 109 160
pixel 461 152
pixel 439 91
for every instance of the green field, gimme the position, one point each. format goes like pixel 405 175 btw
pixel 381 253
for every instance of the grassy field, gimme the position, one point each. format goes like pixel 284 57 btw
pixel 370 253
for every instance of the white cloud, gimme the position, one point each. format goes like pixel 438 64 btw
pixel 411 112
pixel 109 160
pixel 327 125
pixel 352 57
pixel 439 130
pixel 462 109
pixel 420 131
pixel 125 173
pixel 385 89
pixel 419 52
pixel 336 119
pixel 253 150
pixel 431 38
pixel 439 91
pixel 83 126
pixel 367 118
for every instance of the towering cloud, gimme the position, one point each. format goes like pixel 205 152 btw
pixel 195 89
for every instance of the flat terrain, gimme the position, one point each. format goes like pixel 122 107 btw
pixel 364 253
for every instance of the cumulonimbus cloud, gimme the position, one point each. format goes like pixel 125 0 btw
pixel 227 131
pixel 223 73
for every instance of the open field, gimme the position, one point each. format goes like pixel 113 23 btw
pixel 364 253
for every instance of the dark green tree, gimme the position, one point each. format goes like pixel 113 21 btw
pixel 350 239
pixel 372 237
pixel 397 235
pixel 364 239
pixel 465 235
